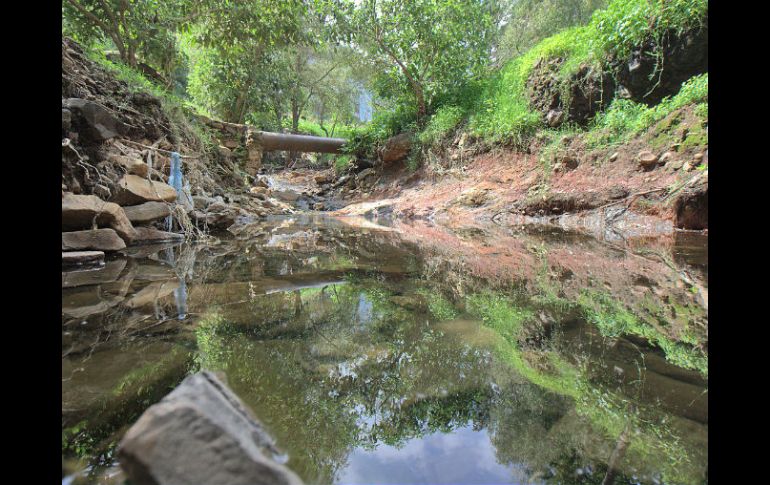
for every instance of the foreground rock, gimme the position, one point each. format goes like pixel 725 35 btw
pixel 150 235
pixel 82 258
pixel 96 239
pixel 200 433
pixel 147 212
pixel 132 190
pixel 85 211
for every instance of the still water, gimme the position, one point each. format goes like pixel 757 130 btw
pixel 406 354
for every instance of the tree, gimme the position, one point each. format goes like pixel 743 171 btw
pixel 134 26
pixel 426 48
pixel 527 22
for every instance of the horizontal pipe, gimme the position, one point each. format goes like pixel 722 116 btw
pixel 299 143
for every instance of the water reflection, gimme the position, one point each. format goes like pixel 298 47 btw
pixel 407 354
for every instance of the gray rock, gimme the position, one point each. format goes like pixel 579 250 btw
pixel 147 212
pixel 201 201
pixel 100 123
pixel 285 195
pixel 132 190
pixel 95 239
pixel 82 258
pixel 150 235
pixel 85 211
pixel 201 433
pixel 109 273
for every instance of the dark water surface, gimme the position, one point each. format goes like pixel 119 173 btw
pixel 406 354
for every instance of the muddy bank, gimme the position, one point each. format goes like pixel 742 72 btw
pixel 613 193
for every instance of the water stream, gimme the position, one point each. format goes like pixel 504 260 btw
pixel 406 354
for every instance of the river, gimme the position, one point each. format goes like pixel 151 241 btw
pixel 406 352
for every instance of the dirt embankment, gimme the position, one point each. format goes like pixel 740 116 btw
pixel 610 193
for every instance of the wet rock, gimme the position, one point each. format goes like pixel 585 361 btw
pixel 647 160
pixel 85 211
pixel 396 148
pixel 200 433
pixel 98 123
pixel 94 239
pixel 82 258
pixel 217 215
pixel 147 212
pixel 285 195
pixel 150 235
pixel 106 274
pixel 133 166
pixel 152 293
pixel 132 190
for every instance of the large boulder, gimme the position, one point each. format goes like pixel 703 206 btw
pixel 396 148
pixel 95 239
pixel 147 212
pixel 85 211
pixel 656 70
pixel 576 99
pixel 93 120
pixel 132 190
pixel 201 433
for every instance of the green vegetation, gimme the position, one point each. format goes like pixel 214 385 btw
pixel 503 112
pixel 302 66
pixel 625 118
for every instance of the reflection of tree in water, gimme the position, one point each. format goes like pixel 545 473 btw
pixel 401 378
pixel 325 387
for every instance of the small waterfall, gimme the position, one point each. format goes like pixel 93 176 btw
pixel 176 180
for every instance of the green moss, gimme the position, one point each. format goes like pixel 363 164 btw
pixel 697 136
